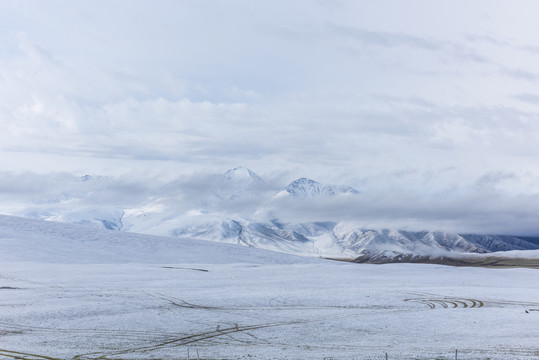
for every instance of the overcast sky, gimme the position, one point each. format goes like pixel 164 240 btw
pixel 426 97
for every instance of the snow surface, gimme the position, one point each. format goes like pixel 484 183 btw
pixel 50 242
pixel 73 292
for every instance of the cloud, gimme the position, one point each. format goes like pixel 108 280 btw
pixel 465 212
pixel 528 98
pixel 140 129
pixel 56 188
pixel 349 93
pixel 483 207
pixel 385 39
pixel 492 179
pixel 531 49
pixel 519 74
pixel 359 41
pixel 330 137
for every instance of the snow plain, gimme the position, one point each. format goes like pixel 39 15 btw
pixel 74 292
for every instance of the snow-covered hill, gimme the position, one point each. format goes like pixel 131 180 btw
pixel 77 292
pixel 41 241
pixel 239 207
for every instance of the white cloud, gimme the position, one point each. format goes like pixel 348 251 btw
pixel 348 92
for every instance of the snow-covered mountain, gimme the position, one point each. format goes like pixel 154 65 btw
pixel 239 182
pixel 330 239
pixel 241 208
pixel 308 189
pixel 108 218
pixel 349 241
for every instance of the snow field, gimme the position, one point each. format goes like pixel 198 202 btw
pixel 69 292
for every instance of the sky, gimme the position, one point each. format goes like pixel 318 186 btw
pixel 410 100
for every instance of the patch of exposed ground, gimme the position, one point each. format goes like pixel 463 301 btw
pixel 473 261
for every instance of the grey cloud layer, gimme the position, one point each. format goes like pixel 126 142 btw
pixel 477 209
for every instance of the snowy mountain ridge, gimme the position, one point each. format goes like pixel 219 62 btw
pixel 241 208
pixel 307 188
pixel 346 241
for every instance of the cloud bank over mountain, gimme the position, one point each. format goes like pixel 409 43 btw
pixel 429 109
pixel 341 89
pixel 305 217
pixel 246 195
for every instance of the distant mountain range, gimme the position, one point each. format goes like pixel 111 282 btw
pixel 218 217
pixel 307 188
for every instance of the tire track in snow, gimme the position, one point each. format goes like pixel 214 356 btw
pixel 182 341
pixel 99 333
pixel 24 356
pixel 447 303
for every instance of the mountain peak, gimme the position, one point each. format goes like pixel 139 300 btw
pixel 238 182
pixel 241 173
pixel 308 188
